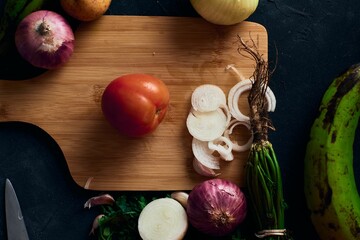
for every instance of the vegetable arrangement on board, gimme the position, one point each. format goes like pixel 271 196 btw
pixel 215 207
pixel 330 188
pixel 211 122
pixel 222 203
pixel 263 175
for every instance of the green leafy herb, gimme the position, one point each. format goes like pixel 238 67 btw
pixel 120 220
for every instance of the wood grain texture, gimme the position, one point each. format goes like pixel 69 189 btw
pixel 183 52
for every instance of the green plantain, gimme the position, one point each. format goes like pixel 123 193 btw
pixel 330 187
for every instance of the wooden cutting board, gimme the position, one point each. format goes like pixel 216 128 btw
pixel 183 52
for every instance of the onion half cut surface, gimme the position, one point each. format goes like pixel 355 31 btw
pixel 163 219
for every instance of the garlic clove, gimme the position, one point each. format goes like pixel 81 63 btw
pixel 105 199
pixel 95 224
pixel 181 197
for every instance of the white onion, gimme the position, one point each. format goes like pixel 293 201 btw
pixel 233 99
pixel 204 155
pixel 45 39
pixel 235 146
pixel 163 219
pixel 235 93
pixel 207 97
pixel 225 12
pixel 225 150
pixel 206 126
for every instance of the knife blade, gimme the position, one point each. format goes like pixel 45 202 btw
pixel 15 225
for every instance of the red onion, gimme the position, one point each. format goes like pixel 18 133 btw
pixel 45 39
pixel 216 207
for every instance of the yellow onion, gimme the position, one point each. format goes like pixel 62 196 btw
pixel 225 12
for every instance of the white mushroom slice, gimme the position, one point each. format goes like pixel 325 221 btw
pixel 206 126
pixel 204 155
pixel 223 146
pixel 203 170
pixel 236 147
pixel 207 97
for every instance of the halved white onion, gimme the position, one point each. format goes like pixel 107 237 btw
pixel 207 97
pixel 235 146
pixel 204 155
pixel 223 146
pixel 206 126
pixel 163 219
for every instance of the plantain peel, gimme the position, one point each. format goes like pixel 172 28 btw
pixel 329 182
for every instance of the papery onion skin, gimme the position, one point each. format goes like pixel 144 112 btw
pixel 203 170
pixel 45 39
pixel 225 12
pixel 216 207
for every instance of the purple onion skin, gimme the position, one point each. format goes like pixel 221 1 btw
pixel 216 207
pixel 45 39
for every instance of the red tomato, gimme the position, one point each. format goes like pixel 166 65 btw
pixel 135 104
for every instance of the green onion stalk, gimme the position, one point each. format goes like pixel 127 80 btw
pixel 262 173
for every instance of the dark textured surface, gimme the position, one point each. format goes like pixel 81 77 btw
pixel 315 41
